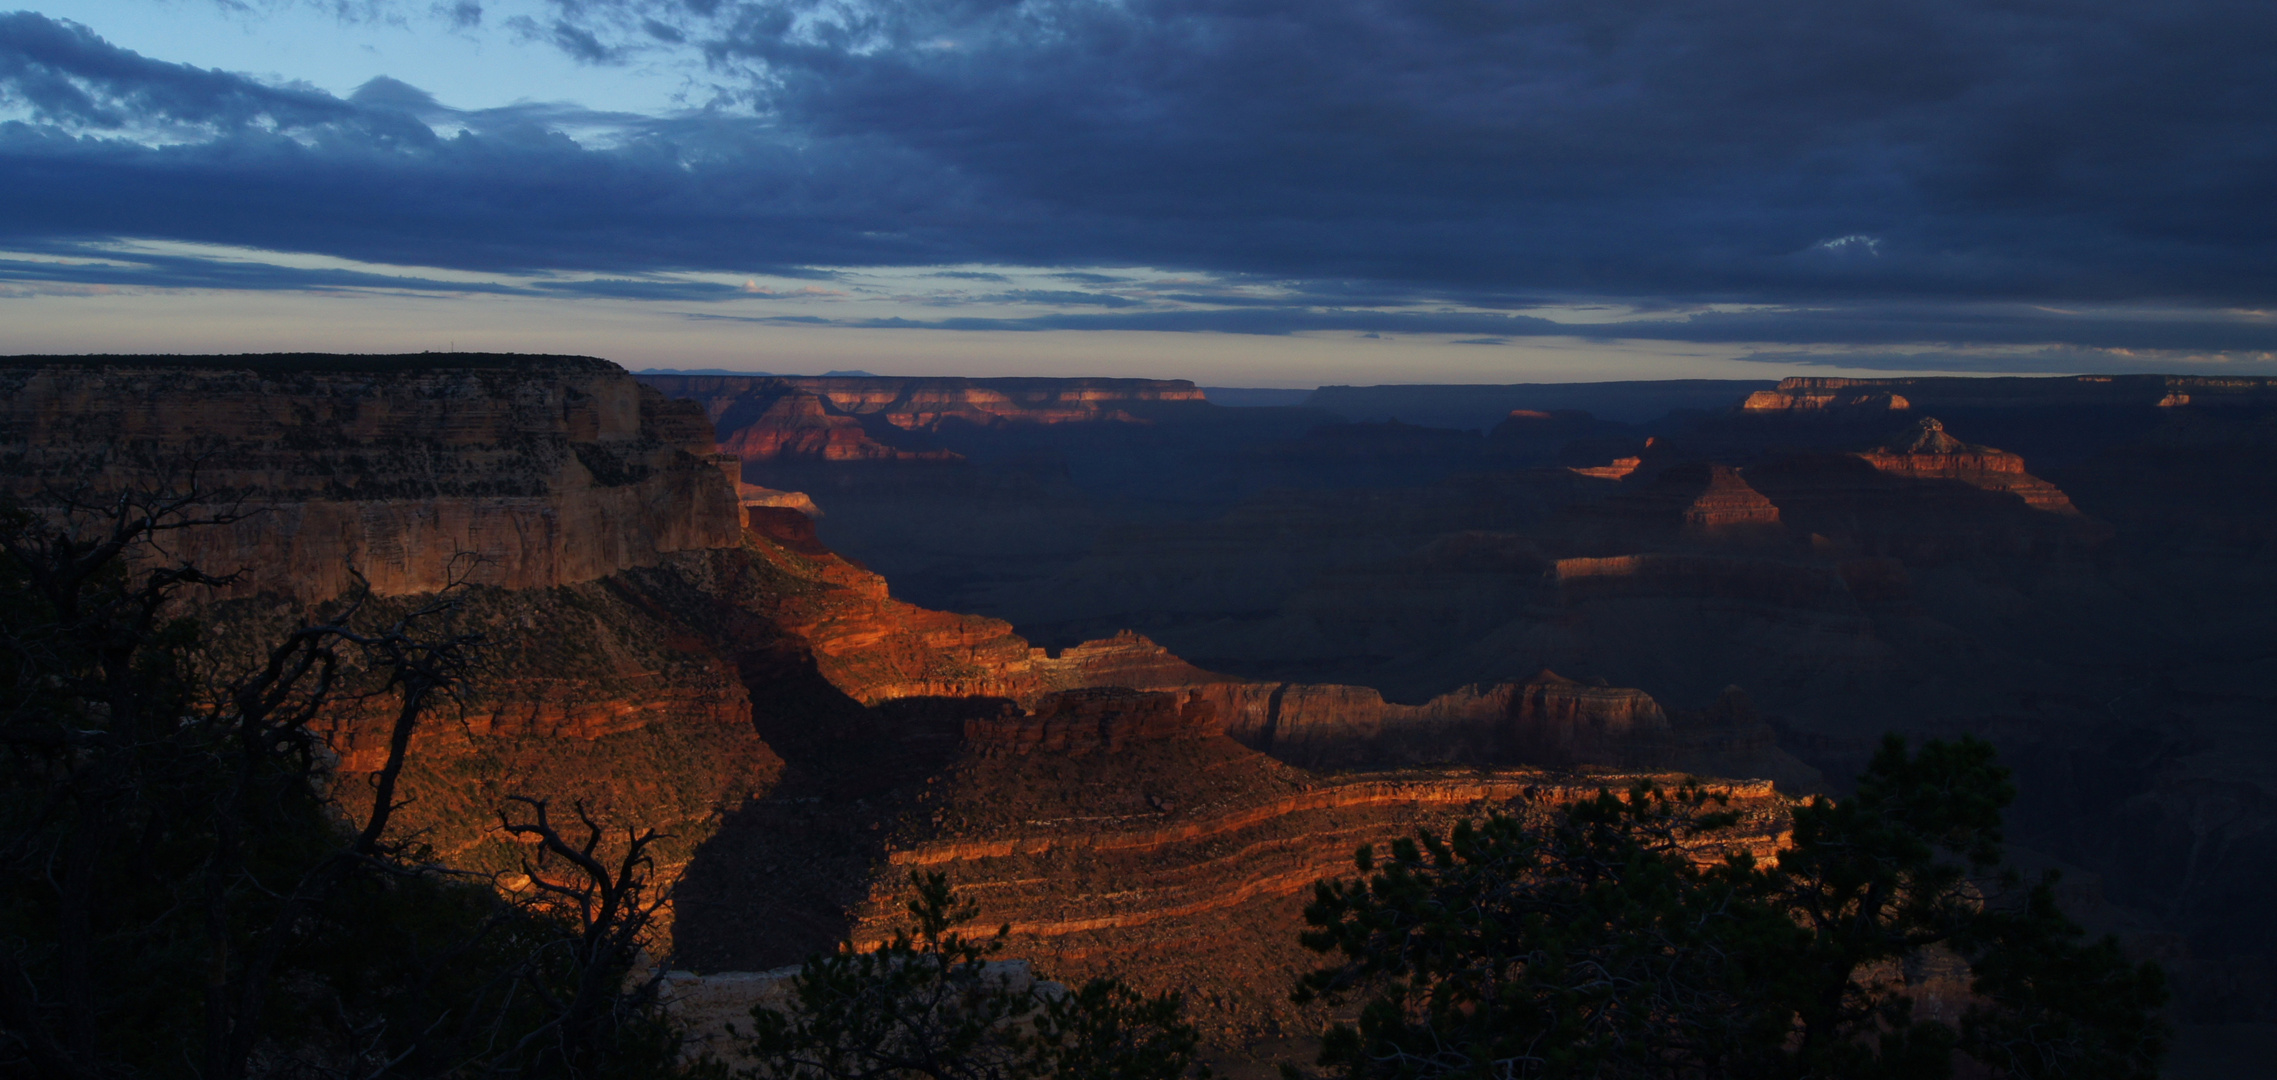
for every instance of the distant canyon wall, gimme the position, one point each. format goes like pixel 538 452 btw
pixel 765 418
pixel 1805 394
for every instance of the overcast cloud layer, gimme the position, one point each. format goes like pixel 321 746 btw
pixel 1872 172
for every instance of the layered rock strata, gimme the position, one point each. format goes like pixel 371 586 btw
pixel 875 648
pixel 1170 855
pixel 1127 863
pixel 520 472
pixel 1926 452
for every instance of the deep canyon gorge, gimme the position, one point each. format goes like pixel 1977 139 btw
pixel 1136 669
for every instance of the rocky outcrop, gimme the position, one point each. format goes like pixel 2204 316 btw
pixel 1925 497
pixel 751 495
pixel 1126 660
pixel 520 472
pixel 1618 469
pixel 1545 721
pixel 874 648
pixel 1694 503
pixel 1926 452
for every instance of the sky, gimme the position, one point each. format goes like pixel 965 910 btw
pixel 1240 192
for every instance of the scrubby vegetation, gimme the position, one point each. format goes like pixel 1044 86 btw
pixel 181 893
pixel 1617 943
pixel 930 1004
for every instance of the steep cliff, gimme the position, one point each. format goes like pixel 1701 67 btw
pixel 521 472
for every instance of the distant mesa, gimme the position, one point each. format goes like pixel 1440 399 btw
pixel 1807 394
pixel 1924 496
pixel 1821 400
pixel 1926 451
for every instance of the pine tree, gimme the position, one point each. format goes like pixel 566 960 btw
pixel 1601 942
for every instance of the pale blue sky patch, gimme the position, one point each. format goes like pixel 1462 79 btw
pixel 475 65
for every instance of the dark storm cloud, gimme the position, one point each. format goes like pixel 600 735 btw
pixel 69 79
pixel 2002 325
pixel 1839 161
